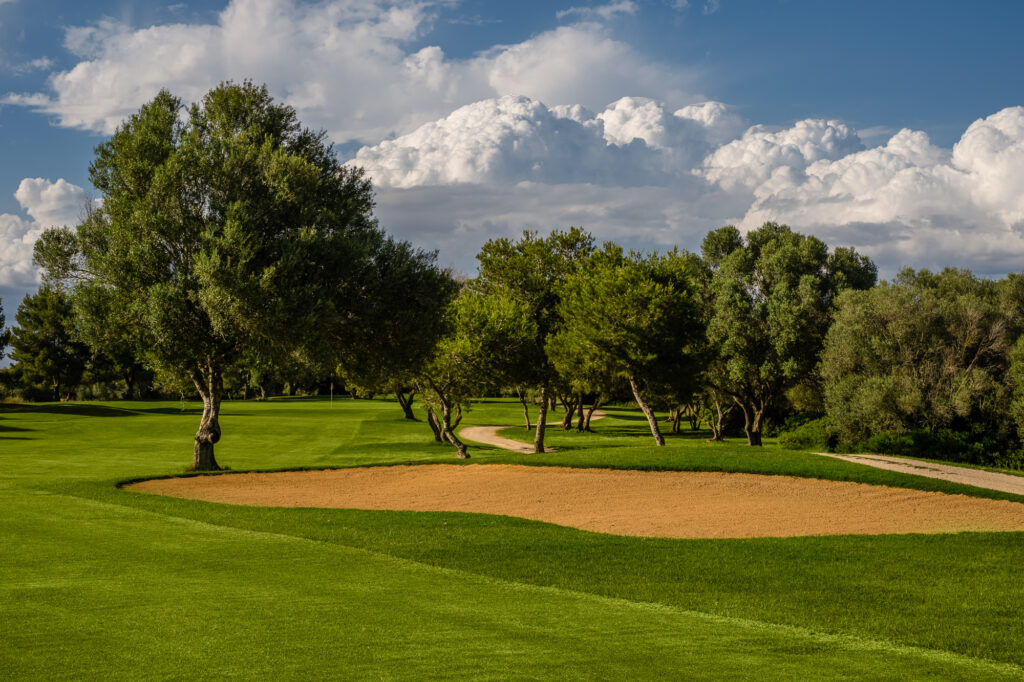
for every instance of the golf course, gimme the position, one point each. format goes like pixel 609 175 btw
pixel 103 580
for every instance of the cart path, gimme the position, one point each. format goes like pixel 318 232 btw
pixel 488 435
pixel 979 478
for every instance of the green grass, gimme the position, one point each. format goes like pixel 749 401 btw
pixel 98 582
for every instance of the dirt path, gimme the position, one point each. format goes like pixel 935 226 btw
pixel 488 435
pixel 673 504
pixel 979 478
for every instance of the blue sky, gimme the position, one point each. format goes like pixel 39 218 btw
pixel 463 114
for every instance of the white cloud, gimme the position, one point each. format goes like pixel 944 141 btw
pixel 344 65
pixel 47 203
pixel 634 172
pixel 51 203
pixel 40 64
pixel 750 160
pixel 17 237
pixel 604 12
pixel 910 202
pixel 634 142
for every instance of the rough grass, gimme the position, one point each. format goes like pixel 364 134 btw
pixel 104 583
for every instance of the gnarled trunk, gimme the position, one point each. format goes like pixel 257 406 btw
pixel 526 408
pixel 449 434
pixel 590 413
pixel 406 403
pixel 542 418
pixel 569 405
pixel 210 384
pixel 579 413
pixel 648 412
pixel 752 418
pixel 435 425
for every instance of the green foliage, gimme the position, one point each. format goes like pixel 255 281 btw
pixel 45 348
pixel 771 300
pixel 5 333
pixel 945 444
pixel 927 351
pixel 815 434
pixel 399 318
pixel 224 233
pixel 531 271
pixel 632 316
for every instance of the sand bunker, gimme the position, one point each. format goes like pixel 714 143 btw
pixel 655 504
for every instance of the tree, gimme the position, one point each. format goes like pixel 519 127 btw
pixel 5 333
pixel 926 351
pixel 229 229
pixel 771 298
pixel 45 348
pixel 464 362
pixel 531 271
pixel 635 315
pixel 401 316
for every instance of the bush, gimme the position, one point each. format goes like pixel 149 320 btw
pixel 811 435
pixel 946 445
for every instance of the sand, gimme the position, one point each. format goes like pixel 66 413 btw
pixel 640 503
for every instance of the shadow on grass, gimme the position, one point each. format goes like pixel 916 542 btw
pixel 69 409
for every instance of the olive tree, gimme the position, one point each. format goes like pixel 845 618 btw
pixel 771 296
pixel 226 229
pixel 531 271
pixel 925 351
pixel 636 316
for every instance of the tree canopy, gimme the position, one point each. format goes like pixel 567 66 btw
pixel 228 228
pixel 771 298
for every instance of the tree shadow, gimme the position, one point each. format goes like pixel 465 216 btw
pixel 75 409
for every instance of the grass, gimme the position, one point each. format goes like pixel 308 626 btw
pixel 98 582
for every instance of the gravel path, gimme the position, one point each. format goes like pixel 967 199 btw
pixel 979 478
pixel 489 436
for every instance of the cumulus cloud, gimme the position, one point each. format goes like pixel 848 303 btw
pixel 51 203
pixel 637 172
pixel 910 202
pixel 750 160
pixel 47 203
pixel 633 142
pixel 344 64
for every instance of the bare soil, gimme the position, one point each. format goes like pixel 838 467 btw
pixel 643 503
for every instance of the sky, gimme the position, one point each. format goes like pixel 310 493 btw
pixel 897 128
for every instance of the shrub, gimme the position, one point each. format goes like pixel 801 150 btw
pixel 811 435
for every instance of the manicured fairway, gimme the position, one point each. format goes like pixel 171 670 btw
pixel 103 583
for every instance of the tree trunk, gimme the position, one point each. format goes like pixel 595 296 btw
pixel 542 418
pixel 676 416
pixel 580 419
pixel 210 385
pixel 569 404
pixel 526 409
pixel 590 413
pixel 648 412
pixel 406 403
pixel 434 425
pixel 752 417
pixel 449 434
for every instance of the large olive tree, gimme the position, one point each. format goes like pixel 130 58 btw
pixel 772 295
pixel 223 228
